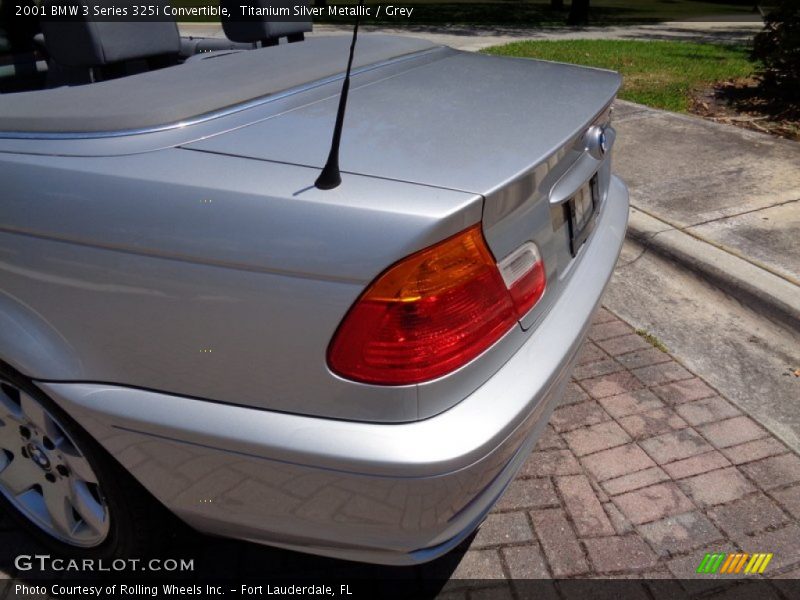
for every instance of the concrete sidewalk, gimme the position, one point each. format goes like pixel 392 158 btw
pixel 723 201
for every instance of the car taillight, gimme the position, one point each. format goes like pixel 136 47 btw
pixel 432 313
pixel 523 274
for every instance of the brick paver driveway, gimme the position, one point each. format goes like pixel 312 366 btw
pixel 643 469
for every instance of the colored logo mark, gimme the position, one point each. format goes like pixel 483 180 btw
pixel 741 562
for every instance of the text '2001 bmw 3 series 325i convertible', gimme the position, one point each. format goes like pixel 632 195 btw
pixel 354 368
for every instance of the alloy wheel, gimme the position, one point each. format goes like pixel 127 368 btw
pixel 45 475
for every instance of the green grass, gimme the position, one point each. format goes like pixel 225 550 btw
pixel 655 73
pixel 651 339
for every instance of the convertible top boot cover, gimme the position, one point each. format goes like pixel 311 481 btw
pixel 179 93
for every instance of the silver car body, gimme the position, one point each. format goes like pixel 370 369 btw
pixel 174 287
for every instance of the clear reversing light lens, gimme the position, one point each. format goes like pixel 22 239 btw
pixel 524 276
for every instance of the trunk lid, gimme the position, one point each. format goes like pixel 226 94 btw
pixel 462 121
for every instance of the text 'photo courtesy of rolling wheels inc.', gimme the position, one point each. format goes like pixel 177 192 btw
pixel 429 300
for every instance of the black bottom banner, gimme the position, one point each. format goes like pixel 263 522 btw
pixel 578 589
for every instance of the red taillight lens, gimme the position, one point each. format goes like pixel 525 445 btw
pixel 427 315
pixel 436 310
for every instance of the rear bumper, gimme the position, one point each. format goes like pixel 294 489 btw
pixel 384 493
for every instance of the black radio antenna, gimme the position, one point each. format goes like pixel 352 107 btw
pixel 330 177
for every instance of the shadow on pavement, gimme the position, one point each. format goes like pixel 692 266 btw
pixel 678 34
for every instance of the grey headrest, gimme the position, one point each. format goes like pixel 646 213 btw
pixel 92 43
pixel 244 28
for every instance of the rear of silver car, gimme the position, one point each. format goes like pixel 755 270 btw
pixel 207 298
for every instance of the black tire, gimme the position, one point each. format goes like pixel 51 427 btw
pixel 139 527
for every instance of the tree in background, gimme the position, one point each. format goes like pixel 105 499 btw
pixel 578 12
pixel 777 46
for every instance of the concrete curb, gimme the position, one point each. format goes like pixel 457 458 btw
pixel 764 292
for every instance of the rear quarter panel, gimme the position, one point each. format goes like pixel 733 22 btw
pixel 203 275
